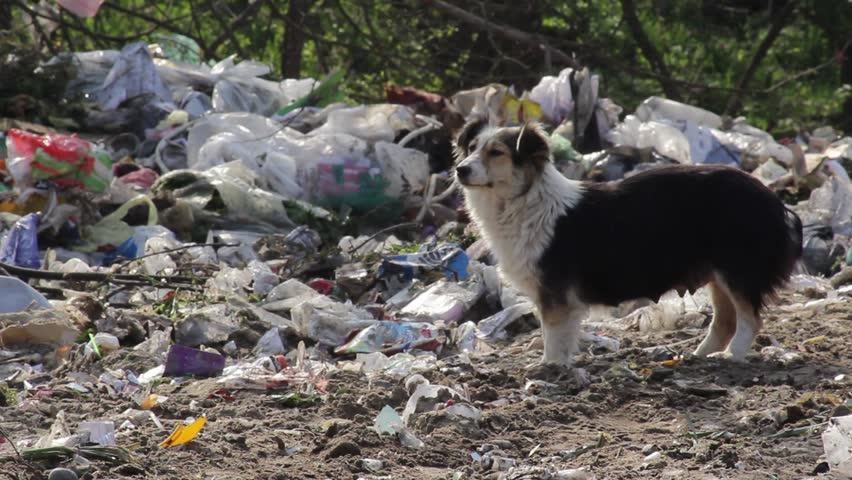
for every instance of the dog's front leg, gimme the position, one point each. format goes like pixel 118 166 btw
pixel 560 330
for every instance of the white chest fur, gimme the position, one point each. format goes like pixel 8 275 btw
pixel 520 230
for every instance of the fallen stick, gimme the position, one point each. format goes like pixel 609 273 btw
pixel 119 278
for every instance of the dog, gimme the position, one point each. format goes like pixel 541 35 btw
pixel 570 244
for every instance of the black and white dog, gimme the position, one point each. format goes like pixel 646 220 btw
pixel 569 244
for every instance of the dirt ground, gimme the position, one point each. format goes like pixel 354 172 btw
pixel 707 418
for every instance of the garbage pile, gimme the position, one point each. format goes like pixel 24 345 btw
pixel 212 224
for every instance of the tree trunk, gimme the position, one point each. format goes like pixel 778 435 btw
pixel 5 15
pixel 846 78
pixel 294 39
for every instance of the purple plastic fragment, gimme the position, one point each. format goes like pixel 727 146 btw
pixel 20 247
pixel 185 361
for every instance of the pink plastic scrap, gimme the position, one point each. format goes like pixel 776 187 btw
pixel 81 8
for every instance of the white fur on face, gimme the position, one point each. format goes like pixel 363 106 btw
pixel 491 166
pixel 478 173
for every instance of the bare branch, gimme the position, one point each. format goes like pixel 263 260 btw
pixel 628 11
pixel 505 31
pixel 781 20
pixel 236 23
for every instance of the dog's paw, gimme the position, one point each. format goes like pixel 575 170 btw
pixel 727 357
pixel 558 373
pixel 582 377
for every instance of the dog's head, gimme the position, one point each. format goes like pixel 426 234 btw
pixel 506 160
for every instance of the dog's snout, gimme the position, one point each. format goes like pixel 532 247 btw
pixel 463 171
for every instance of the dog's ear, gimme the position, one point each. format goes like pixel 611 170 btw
pixel 532 145
pixel 467 133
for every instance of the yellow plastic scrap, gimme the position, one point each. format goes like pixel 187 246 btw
pixel 150 402
pixel 671 363
pixel 184 433
pixel 815 340
pixel 520 110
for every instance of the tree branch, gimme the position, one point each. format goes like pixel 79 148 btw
pixel 505 31
pixel 240 19
pixel 628 12
pixel 781 20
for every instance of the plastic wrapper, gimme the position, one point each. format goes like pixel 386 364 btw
pixel 65 160
pixel 184 361
pixel 448 258
pixel 392 337
pixel 444 302
pixel 329 322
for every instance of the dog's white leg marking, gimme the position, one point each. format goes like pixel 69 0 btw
pixel 748 325
pixel 724 322
pixel 560 330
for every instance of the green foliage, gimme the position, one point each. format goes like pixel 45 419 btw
pixel 706 46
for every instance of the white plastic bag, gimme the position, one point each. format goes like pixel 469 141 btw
pixel 371 123
pixel 837 442
pixel 664 139
pixel 656 108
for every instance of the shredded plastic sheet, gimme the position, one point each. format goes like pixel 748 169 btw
pixel 184 433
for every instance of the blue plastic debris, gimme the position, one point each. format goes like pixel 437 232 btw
pixel 448 258
pixel 20 247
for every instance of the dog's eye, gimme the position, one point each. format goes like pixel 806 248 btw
pixel 494 152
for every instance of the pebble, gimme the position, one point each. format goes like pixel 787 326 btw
pixel 62 474
pixel 344 448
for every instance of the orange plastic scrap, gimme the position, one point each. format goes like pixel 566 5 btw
pixel 671 363
pixel 184 433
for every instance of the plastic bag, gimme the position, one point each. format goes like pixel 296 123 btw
pixel 329 322
pixel 832 204
pixel 133 73
pixel 20 245
pixel 372 123
pixel 555 97
pixel 328 170
pixel 65 160
pixel 837 442
pixel 91 69
pixel 664 139
pixel 656 108
pixel 18 296
pixel 239 88
pixel 112 230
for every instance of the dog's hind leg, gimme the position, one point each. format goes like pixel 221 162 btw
pixel 749 323
pixel 748 326
pixel 724 322
pixel 560 330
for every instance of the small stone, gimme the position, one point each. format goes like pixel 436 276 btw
pixel 372 465
pixel 62 474
pixel 649 449
pixel 841 411
pixel 344 448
